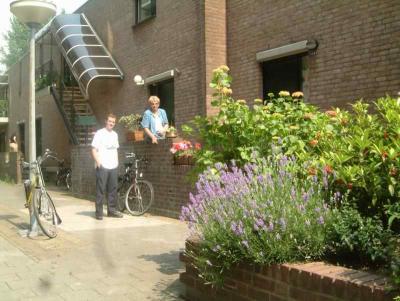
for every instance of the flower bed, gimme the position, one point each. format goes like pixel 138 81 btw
pixel 309 281
pixel 280 182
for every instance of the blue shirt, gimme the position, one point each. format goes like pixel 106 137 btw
pixel 149 121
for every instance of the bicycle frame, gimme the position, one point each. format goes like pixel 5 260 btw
pixel 133 176
pixel 38 179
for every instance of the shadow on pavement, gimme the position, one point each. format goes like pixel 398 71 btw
pixel 10 217
pixel 87 213
pixel 169 262
pixel 168 291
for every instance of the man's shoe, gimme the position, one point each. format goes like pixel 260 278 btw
pixel 115 214
pixel 99 217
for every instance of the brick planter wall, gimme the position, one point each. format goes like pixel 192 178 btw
pixel 315 281
pixel 171 187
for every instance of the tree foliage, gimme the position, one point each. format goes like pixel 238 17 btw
pixel 17 43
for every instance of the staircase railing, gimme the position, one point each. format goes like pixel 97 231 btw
pixel 59 102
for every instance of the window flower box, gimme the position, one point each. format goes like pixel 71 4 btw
pixel 137 135
pixel 183 152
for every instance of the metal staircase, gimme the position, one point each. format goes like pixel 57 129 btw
pixel 76 112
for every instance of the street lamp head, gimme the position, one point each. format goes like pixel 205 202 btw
pixel 33 12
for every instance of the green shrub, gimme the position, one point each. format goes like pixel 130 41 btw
pixel 355 153
pixel 262 213
pixel 364 154
pixel 357 238
pixel 359 151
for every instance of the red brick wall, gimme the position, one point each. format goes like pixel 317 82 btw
pixel 170 40
pixel 215 51
pixel 358 54
pixel 315 281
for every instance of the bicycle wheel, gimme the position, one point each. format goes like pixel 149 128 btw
pixel 139 197
pixel 45 213
pixel 122 188
pixel 68 181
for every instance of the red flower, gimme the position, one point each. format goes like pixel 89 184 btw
pixel 328 169
pixel 331 113
pixel 313 142
pixel 312 171
pixel 350 185
pixel 197 146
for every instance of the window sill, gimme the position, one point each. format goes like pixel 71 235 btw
pixel 138 24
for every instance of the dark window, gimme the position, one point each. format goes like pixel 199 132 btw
pixel 145 9
pixel 39 148
pixel 3 142
pixel 283 74
pixel 165 91
pixel 21 130
pixel 20 79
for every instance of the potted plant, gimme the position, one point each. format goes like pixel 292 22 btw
pixel 132 123
pixel 183 152
pixel 171 132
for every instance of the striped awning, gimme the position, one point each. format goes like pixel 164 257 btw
pixel 83 50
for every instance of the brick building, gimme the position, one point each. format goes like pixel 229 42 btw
pixel 335 51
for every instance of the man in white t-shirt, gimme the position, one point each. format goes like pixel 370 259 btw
pixel 105 153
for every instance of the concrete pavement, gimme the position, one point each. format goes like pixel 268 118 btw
pixel 133 258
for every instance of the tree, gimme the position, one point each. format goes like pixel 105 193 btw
pixel 17 43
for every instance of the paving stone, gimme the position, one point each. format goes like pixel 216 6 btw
pixel 132 259
pixel 81 295
pixel 4 287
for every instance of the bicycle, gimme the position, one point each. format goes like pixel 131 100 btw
pixel 63 176
pixel 39 199
pixel 134 194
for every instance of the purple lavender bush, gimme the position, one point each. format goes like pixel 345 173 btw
pixel 261 214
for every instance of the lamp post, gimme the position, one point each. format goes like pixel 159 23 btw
pixel 32 13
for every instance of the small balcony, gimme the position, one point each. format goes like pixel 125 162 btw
pixel 3 99
pixel 45 76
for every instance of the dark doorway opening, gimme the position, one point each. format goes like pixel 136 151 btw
pixel 165 91
pixel 284 74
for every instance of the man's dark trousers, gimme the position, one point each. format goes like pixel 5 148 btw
pixel 106 181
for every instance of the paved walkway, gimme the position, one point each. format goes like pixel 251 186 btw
pixel 133 258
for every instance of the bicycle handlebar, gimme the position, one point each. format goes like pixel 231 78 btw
pixel 133 156
pixel 130 155
pixel 39 160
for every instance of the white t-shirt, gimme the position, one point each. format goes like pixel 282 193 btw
pixel 106 143
pixel 159 127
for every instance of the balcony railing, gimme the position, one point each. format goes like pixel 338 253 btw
pixel 45 75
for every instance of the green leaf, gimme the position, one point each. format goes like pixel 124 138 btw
pixel 391 189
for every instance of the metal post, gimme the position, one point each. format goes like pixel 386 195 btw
pixel 32 113
pixel 32 123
